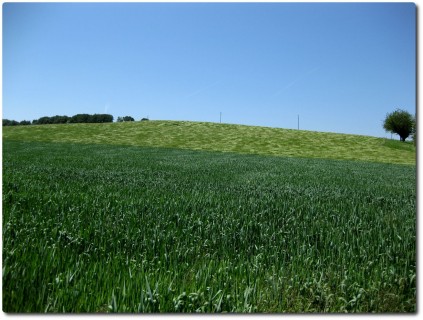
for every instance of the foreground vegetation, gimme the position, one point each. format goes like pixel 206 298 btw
pixel 223 137
pixel 97 228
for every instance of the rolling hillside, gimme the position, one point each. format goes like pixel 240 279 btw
pixel 93 224
pixel 223 138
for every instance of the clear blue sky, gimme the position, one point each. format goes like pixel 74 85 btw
pixel 340 67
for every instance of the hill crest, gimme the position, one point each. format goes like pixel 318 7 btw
pixel 219 137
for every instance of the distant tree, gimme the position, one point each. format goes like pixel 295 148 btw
pixel 144 119
pixel 45 120
pixel 60 119
pixel 126 118
pixel 95 118
pixel 80 118
pixel 400 122
pixel 105 118
pixel 7 122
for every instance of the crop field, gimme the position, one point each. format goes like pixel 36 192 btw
pixel 113 228
pixel 209 136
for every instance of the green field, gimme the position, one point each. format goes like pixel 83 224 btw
pixel 96 219
pixel 223 137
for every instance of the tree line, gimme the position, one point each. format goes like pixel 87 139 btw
pixel 78 118
pixel 129 118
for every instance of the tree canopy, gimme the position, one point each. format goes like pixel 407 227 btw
pixel 400 122
pixel 126 118
pixel 78 118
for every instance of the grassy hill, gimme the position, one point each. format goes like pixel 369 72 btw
pixel 224 138
pixel 94 223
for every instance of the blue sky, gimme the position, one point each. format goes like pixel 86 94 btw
pixel 339 66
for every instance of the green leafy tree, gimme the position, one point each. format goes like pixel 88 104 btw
pixel 81 118
pixel 400 122
pixel 7 122
pixel 45 120
pixel 124 119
